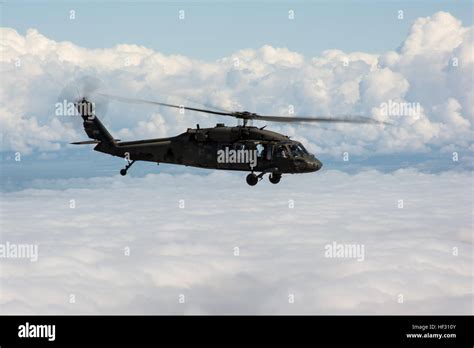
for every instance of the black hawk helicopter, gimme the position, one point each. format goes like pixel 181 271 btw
pixel 242 147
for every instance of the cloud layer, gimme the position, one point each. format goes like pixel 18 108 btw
pixel 432 67
pixel 422 252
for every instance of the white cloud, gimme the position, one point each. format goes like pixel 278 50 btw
pixel 190 251
pixel 381 85
pixel 266 80
pixel 441 31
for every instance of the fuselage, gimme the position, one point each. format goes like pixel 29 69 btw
pixel 242 148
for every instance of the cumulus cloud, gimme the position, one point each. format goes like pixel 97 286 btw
pixel 433 66
pixel 422 251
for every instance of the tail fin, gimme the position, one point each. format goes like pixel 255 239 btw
pixel 92 125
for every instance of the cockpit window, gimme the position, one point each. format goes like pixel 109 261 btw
pixel 302 148
pixel 297 150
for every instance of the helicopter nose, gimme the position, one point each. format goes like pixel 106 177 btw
pixel 316 165
pixel 319 164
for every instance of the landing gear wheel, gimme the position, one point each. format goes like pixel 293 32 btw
pixel 123 171
pixel 274 178
pixel 252 179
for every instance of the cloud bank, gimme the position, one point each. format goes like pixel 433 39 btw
pixel 182 232
pixel 433 67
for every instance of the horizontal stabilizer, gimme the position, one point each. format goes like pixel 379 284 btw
pixel 87 142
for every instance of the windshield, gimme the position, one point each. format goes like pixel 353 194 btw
pixel 302 148
pixel 297 150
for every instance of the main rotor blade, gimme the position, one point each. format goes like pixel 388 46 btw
pixel 344 119
pixel 252 116
pixel 207 105
pixel 143 101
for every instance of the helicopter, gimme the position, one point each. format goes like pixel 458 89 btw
pixel 239 148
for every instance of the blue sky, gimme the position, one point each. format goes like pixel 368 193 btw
pixel 214 29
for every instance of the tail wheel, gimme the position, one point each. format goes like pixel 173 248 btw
pixel 274 178
pixel 252 179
